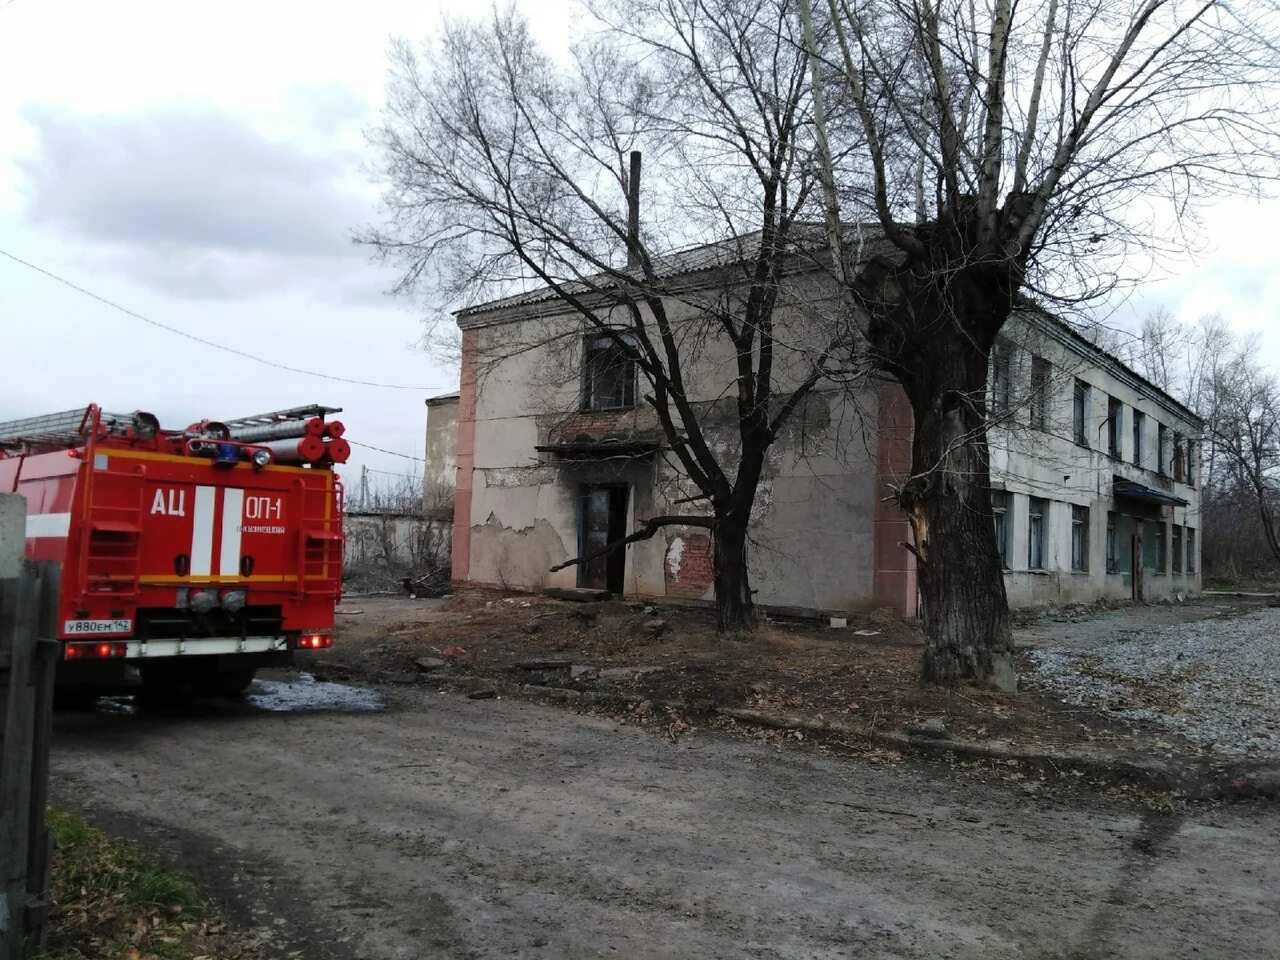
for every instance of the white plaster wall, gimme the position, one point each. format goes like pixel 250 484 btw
pixel 1048 463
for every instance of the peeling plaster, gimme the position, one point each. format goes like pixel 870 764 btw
pixel 675 551
pixel 508 477
pixel 517 557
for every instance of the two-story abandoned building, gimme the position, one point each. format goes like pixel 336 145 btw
pixel 1094 472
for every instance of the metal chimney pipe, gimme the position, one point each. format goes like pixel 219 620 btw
pixel 633 212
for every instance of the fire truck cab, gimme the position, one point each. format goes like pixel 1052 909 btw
pixel 197 555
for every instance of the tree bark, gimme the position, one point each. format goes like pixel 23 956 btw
pixel 735 607
pixel 964 607
pixel 932 324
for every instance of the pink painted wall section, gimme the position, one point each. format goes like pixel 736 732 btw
pixel 466 454
pixel 895 570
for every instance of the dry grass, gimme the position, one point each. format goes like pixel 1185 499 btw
pixel 114 902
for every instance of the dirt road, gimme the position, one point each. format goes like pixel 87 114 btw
pixel 447 827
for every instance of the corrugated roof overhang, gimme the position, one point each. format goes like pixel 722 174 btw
pixel 1133 490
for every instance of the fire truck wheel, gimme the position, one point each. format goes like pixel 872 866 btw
pixel 231 683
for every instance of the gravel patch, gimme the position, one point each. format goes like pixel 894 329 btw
pixel 1216 682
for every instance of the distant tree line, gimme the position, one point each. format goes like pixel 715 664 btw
pixel 1218 373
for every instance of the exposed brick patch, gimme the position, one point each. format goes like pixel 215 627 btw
pixel 689 565
pixel 595 425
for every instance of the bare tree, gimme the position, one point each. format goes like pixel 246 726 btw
pixel 396 538
pixel 1217 372
pixel 1048 150
pixel 507 170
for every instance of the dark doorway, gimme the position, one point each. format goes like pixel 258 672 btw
pixel 603 520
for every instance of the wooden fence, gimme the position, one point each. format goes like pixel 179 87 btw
pixel 28 607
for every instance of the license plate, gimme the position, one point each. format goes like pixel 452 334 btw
pixel 97 627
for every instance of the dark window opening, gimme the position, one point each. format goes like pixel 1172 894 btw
pixel 1041 372
pixel 1177 548
pixel 1000 510
pixel 1080 412
pixel 1162 447
pixel 1139 422
pixel 1037 515
pixel 1113 560
pixel 1162 549
pixel 609 375
pixel 1079 538
pixel 1179 461
pixel 1191 550
pixel 1115 419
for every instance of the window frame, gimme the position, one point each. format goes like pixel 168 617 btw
pixel 1162 547
pixel 596 344
pixel 1037 541
pixel 1115 419
pixel 1175 544
pixel 1000 503
pixel 1079 538
pixel 1080 413
pixel 1190 545
pixel 1139 425
pixel 1112 559
pixel 1041 375
pixel 1162 441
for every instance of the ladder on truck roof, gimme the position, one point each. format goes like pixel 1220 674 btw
pixel 66 429
pixel 280 416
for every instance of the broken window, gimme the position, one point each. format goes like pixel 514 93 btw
pixel 1162 447
pixel 1191 550
pixel 1079 538
pixel 1162 550
pixel 1080 412
pixel 1189 474
pixel 1115 417
pixel 1113 561
pixel 1177 548
pixel 1037 514
pixel 1001 364
pixel 1041 371
pixel 1139 423
pixel 609 373
pixel 1178 460
pixel 1000 510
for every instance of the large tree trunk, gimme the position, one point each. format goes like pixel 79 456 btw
pixel 933 327
pixel 735 608
pixel 965 612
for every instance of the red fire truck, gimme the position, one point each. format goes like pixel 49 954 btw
pixel 194 555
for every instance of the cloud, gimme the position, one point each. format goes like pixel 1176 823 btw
pixel 200 204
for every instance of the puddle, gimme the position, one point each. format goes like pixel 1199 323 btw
pixel 122 706
pixel 308 693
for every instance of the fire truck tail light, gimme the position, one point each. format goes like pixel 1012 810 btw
pixel 312 641
pixel 95 651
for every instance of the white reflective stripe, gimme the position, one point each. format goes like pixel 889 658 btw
pixel 48 525
pixel 204 647
pixel 202 533
pixel 232 513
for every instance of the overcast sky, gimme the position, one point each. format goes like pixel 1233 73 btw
pixel 202 165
